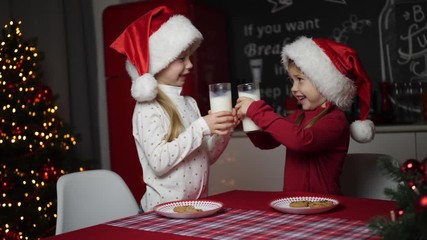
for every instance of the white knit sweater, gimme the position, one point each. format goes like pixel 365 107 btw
pixel 176 170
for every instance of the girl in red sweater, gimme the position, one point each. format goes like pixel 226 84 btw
pixel 325 76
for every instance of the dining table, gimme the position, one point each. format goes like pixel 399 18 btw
pixel 248 215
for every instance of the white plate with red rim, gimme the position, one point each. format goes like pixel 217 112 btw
pixel 283 205
pixel 206 207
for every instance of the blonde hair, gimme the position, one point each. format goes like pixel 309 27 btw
pixel 310 123
pixel 301 117
pixel 170 108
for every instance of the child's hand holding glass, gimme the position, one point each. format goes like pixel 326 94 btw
pixel 223 122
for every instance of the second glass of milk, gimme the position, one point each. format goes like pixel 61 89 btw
pixel 250 90
pixel 220 97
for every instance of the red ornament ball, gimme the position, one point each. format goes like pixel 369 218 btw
pixel 17 131
pixel 18 65
pixel 411 165
pixel 11 234
pixel 400 212
pixel 6 184
pixel 423 201
pixel 43 94
pixel 421 204
pixel 49 172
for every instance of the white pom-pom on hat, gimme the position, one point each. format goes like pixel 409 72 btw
pixel 362 131
pixel 144 88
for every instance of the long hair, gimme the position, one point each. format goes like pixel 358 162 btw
pixel 310 123
pixel 170 108
pixel 301 117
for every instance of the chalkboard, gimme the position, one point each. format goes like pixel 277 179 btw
pixel 258 29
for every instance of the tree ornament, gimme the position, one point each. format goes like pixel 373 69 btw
pixel 410 166
pixel 11 234
pixel 30 99
pixel 423 201
pixel 421 204
pixel 6 184
pixel 49 172
pixel 18 65
pixel 400 212
pixel 11 86
pixel 17 131
pixel 43 94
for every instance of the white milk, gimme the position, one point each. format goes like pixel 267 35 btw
pixel 221 103
pixel 248 124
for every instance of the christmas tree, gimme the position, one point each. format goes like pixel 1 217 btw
pixel 35 144
pixel 409 219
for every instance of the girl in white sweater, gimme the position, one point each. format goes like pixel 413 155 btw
pixel 175 143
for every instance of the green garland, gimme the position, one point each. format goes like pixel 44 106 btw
pixel 410 195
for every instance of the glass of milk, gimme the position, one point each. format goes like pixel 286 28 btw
pixel 220 97
pixel 250 90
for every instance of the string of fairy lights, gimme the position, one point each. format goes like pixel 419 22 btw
pixel 29 126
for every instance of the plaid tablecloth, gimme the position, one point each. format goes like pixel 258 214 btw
pixel 251 224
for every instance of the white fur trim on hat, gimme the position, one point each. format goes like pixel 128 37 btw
pixel 144 88
pixel 167 43
pixel 362 131
pixel 316 65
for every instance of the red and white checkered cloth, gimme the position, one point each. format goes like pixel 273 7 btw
pixel 251 224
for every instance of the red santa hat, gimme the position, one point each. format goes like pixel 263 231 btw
pixel 150 44
pixel 338 74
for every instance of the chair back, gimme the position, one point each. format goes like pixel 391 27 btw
pixel 91 197
pixel 361 176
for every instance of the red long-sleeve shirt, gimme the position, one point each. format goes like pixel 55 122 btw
pixel 314 155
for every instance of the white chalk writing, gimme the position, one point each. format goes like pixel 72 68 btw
pixel 415 41
pixel 261 31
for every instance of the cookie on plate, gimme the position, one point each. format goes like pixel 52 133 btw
pixel 321 203
pixel 186 209
pixel 298 204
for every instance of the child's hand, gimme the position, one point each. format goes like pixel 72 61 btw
pixel 236 119
pixel 221 123
pixel 242 106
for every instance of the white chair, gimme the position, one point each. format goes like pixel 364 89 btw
pixel 91 197
pixel 361 176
